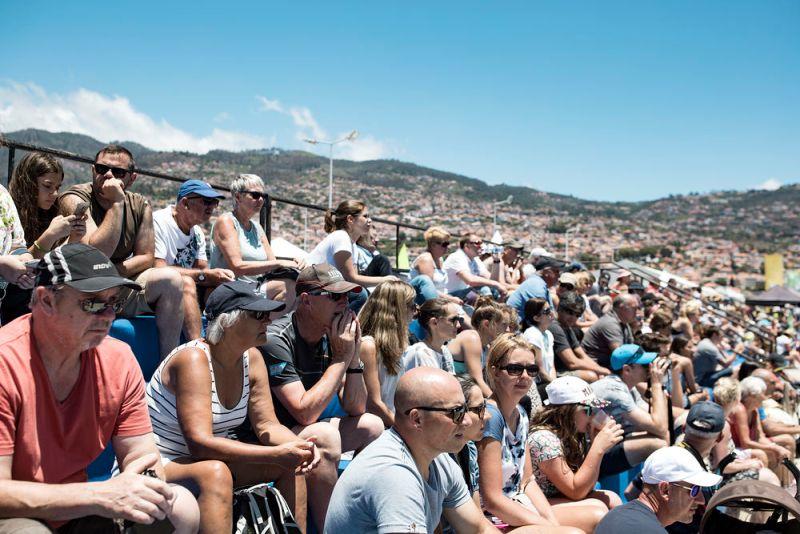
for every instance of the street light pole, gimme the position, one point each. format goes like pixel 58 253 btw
pixel 573 230
pixel 494 211
pixel 349 137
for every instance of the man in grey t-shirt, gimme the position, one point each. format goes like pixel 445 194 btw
pixel 612 330
pixel 404 481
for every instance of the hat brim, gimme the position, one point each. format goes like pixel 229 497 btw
pixel 342 287
pixel 207 194
pixel 644 359
pixel 101 283
pixel 703 479
pixel 263 304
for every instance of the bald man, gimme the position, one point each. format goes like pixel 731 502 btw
pixel 402 482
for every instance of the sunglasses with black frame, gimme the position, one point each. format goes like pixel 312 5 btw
pixel 456 413
pixel 117 172
pixel 256 195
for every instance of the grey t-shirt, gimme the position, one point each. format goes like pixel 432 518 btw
pixel 382 491
pixel 630 517
pixel 621 400
pixel 598 339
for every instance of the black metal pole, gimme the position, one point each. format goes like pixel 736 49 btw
pixel 11 151
pixel 265 217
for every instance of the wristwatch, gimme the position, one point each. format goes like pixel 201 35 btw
pixel 201 277
pixel 356 370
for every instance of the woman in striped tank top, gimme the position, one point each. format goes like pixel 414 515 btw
pixel 204 389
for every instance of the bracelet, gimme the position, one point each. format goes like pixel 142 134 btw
pixel 37 247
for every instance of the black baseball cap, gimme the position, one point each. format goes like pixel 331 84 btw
pixel 238 295
pixel 546 262
pixel 777 360
pixel 706 417
pixel 80 267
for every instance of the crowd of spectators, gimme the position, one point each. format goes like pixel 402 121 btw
pixel 483 392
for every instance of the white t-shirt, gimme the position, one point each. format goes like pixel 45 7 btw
pixel 172 245
pixel 334 242
pixel 544 342
pixel 457 262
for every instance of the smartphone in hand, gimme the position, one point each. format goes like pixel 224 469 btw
pixel 81 209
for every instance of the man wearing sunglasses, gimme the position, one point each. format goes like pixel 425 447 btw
pixel 673 483
pixel 180 244
pixel 612 330
pixel 646 427
pixel 66 390
pixel 404 481
pixel 120 225
pixel 316 376
pixel 537 284
pixel 465 271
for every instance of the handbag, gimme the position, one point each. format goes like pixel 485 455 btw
pixel 261 509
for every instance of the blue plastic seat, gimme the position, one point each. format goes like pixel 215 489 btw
pixel 618 483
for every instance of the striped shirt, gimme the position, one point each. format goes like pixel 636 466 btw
pixel 163 412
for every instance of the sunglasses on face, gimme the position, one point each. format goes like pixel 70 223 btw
pixel 256 195
pixel 206 201
pixel 455 414
pixel 456 320
pixel 572 312
pixel 478 410
pixel 515 369
pixel 335 297
pixel 693 490
pixel 444 244
pixel 258 315
pixel 98 306
pixel 476 243
pixel 588 410
pixel 117 172
pixel 546 312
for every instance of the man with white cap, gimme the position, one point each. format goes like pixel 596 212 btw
pixel 673 483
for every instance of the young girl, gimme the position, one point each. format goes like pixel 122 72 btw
pixel 439 319
pixel 503 454
pixel 469 348
pixel 384 338
pixel 564 465
pixel 34 188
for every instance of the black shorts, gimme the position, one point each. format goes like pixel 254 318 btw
pixel 614 461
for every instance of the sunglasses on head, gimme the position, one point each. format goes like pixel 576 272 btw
pixel 98 306
pixel 456 414
pixel 336 297
pixel 258 315
pixel 206 201
pixel 515 369
pixel 257 195
pixel 118 172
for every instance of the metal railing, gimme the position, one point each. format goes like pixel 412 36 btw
pixel 265 217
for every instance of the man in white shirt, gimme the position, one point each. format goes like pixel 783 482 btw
pixel 465 272
pixel 181 244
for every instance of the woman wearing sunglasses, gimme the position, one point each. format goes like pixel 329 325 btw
pixel 503 454
pixel 535 328
pixel 384 338
pixel 34 189
pixel 204 389
pixel 439 319
pixel 426 274
pixel 240 244
pixel 566 465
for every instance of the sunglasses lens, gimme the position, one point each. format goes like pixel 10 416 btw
pixel 458 414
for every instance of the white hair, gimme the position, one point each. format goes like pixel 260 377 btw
pixel 752 385
pixel 216 330
pixel 245 182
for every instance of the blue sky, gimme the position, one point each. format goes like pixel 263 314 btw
pixel 603 100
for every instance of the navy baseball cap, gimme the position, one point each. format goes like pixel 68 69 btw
pixel 238 295
pixel 198 187
pixel 631 355
pixel 707 417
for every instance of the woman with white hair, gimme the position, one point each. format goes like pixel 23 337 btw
pixel 240 244
pixel 204 389
pixel 745 422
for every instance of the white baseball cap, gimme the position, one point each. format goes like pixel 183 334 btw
pixel 572 390
pixel 676 464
